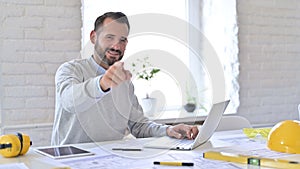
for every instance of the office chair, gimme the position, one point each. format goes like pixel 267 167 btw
pixel 233 123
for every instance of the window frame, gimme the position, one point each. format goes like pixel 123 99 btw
pixel 194 15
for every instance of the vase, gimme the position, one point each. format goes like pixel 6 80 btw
pixel 190 107
pixel 149 106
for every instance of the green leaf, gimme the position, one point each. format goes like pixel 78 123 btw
pixel 153 71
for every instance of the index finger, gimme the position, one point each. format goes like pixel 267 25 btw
pixel 195 132
pixel 119 65
pixel 119 72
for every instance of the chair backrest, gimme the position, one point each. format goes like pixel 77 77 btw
pixel 299 111
pixel 233 123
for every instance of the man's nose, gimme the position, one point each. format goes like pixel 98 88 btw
pixel 116 45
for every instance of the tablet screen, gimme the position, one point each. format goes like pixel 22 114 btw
pixel 63 151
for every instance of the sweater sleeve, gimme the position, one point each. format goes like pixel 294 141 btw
pixel 76 93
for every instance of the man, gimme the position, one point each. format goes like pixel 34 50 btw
pixel 95 100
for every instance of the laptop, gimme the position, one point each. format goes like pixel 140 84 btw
pixel 205 132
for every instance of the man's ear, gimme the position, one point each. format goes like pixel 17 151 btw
pixel 93 36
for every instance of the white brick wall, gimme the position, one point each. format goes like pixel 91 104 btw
pixel 269 45
pixel 36 37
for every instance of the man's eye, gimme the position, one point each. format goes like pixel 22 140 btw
pixel 123 40
pixel 109 37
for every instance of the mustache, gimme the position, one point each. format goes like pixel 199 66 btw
pixel 114 50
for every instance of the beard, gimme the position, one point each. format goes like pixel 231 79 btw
pixel 103 57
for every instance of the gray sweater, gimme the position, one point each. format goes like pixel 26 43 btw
pixel 84 113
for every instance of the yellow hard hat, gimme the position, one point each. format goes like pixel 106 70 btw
pixel 285 137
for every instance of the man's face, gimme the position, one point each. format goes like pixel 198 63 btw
pixel 111 41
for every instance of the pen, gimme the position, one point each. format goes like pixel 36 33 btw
pixel 251 160
pixel 127 149
pixel 173 163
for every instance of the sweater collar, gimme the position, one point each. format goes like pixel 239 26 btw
pixel 100 70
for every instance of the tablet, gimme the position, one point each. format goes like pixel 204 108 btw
pixel 58 152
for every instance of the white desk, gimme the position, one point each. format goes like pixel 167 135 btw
pixel 34 160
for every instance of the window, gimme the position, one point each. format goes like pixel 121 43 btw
pixel 181 73
pixel 219 25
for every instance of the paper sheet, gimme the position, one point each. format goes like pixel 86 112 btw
pixel 245 146
pixel 13 166
pixel 134 160
pixel 114 161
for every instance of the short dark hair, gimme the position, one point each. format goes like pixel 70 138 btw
pixel 118 16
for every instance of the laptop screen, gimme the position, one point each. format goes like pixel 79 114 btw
pixel 211 123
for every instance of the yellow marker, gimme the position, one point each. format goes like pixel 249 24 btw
pixel 173 163
pixel 257 161
pixel 61 168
